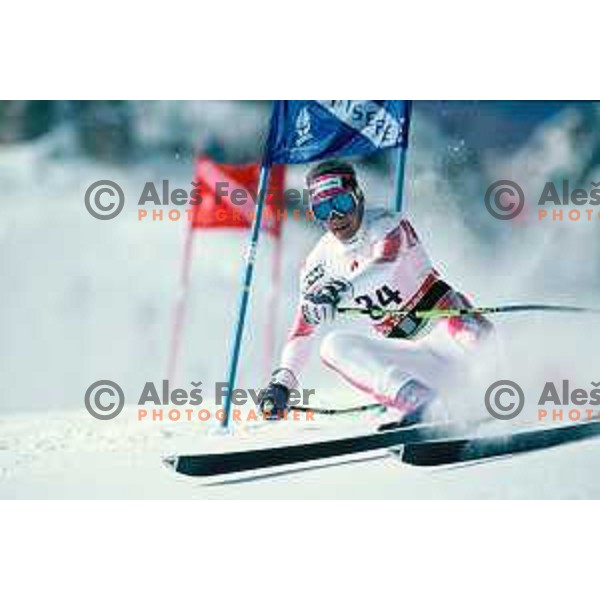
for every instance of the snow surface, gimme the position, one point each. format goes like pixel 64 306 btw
pixel 84 300
pixel 72 456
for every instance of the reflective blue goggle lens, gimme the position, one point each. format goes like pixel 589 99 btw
pixel 342 204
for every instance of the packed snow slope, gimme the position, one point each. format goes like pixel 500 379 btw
pixel 71 456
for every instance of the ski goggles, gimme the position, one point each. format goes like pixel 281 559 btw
pixel 342 204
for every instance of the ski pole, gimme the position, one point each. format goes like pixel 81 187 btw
pixel 439 313
pixel 375 407
pixel 234 355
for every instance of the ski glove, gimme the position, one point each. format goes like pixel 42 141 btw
pixel 320 305
pixel 315 314
pixel 274 401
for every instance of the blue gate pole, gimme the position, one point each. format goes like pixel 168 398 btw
pixel 246 284
pixel 401 161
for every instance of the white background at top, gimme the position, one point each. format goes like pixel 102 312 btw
pixel 516 49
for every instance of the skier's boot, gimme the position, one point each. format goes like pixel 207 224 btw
pixel 416 398
pixel 418 403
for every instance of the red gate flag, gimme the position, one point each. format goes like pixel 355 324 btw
pixel 228 194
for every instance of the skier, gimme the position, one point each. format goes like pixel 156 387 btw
pixel 373 258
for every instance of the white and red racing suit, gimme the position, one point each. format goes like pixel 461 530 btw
pixel 386 266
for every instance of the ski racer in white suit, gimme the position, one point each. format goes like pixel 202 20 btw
pixel 374 259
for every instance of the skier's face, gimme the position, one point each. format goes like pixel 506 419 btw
pixel 345 226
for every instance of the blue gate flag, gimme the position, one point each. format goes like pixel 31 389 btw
pixel 308 130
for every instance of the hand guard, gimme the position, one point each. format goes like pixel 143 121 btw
pixel 315 314
pixel 274 401
pixel 320 305
pixel 331 292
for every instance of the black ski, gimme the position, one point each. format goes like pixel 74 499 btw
pixel 223 463
pixel 464 449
